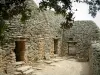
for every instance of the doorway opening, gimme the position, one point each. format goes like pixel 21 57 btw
pixel 20 50
pixel 55 46
pixel 71 47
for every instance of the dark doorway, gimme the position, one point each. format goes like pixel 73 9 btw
pixel 19 50
pixel 55 46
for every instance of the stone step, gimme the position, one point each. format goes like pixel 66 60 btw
pixel 55 55
pixel 28 71
pixel 17 73
pixel 19 63
pixel 12 28
pixel 37 68
pixel 57 60
pixel 23 68
pixel 48 62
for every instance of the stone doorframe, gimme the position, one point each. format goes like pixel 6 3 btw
pixel 20 48
pixel 56 45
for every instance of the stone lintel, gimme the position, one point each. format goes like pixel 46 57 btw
pixel 20 38
pixel 72 42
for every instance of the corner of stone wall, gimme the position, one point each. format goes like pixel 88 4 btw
pixel 7 60
pixel 94 58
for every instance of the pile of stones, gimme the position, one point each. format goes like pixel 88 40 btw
pixel 22 69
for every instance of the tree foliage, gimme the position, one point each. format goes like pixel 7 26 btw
pixel 94 6
pixel 62 6
pixel 11 8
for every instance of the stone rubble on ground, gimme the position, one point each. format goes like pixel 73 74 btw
pixel 37 68
pixel 52 64
pixel 57 60
pixel 23 69
pixel 48 62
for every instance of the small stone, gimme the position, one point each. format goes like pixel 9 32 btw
pixel 52 65
pixel 48 62
pixel 37 68
pixel 19 63
pixel 17 73
pixel 24 68
pixel 28 71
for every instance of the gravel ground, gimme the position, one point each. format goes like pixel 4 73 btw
pixel 64 67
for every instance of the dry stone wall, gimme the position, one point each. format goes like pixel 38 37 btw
pixel 94 56
pixel 6 60
pixel 41 28
pixel 83 32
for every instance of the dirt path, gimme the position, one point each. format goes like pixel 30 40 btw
pixel 64 67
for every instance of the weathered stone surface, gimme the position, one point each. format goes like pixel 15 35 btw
pixel 41 48
pixel 17 73
pixel 48 62
pixel 57 60
pixel 94 56
pixel 19 63
pixel 40 23
pixel 23 68
pixel 46 25
pixel 37 68
pixel 83 32
pixel 28 72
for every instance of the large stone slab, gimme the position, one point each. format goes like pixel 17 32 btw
pixel 17 73
pixel 19 63
pixel 48 62
pixel 28 72
pixel 24 68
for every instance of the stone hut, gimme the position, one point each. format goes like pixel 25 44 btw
pixel 42 31
pixel 45 36
pixel 83 32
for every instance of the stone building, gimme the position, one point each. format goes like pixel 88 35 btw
pixel 82 32
pixel 44 37
pixel 94 56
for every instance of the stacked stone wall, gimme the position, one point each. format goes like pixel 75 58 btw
pixel 41 30
pixel 40 25
pixel 41 48
pixel 83 32
pixel 94 56
pixel 7 58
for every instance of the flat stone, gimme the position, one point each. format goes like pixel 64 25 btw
pixel 28 71
pixel 47 56
pixel 37 68
pixel 39 61
pixel 56 60
pixel 48 62
pixel 23 68
pixel 52 65
pixel 19 63
pixel 17 73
